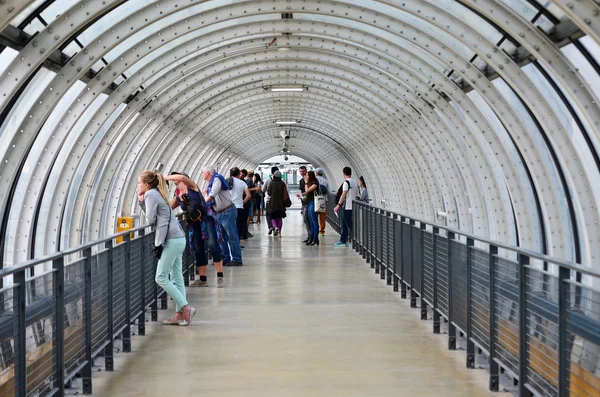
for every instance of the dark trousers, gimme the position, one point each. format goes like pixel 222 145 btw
pixel 211 243
pixel 346 227
pixel 269 218
pixel 242 222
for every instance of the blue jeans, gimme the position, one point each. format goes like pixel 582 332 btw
pixel 346 226
pixel 211 243
pixel 231 245
pixel 314 220
pixel 170 264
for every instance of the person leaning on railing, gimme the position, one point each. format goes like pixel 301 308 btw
pixel 152 195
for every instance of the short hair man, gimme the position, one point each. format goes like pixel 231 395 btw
pixel 265 190
pixel 349 189
pixel 218 196
pixel 240 196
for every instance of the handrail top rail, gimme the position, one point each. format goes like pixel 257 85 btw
pixel 519 250
pixel 59 254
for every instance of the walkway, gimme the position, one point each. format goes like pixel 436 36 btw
pixel 296 321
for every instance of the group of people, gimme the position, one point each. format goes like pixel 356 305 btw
pixel 218 218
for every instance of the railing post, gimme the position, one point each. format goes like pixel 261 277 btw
pixel 365 233
pixel 374 259
pixel 187 272
pixel 523 323
pixel 436 313
pixel 20 332
pixel 126 335
pixel 451 326
pixel 109 349
pixel 411 263
pixel 379 242
pixel 470 344
pixel 564 299
pixel 395 237
pixel 390 247
pixel 423 230
pixel 86 372
pixel 142 316
pixel 494 383
pixel 402 275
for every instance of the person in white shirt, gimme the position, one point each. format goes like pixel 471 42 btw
pixel 240 195
pixel 324 186
pixel 350 187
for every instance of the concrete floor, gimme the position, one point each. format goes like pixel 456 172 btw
pixel 294 321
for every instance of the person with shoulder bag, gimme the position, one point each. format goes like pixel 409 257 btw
pixel 279 200
pixel 169 244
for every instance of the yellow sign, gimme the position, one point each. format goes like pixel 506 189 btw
pixel 124 223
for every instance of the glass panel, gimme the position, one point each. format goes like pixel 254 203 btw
pixel 33 157
pixel 57 8
pixel 528 12
pixel 553 8
pixel 66 151
pixel 20 109
pixel 26 12
pixel 112 18
pixel 71 49
pixel 6 57
pixel 592 47
pixel 34 27
pixel 585 70
pixel 569 124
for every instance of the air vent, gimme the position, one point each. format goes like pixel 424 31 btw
pixel 287 15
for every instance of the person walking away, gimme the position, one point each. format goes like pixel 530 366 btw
pixel 276 206
pixel 218 196
pixel 312 187
pixel 152 196
pixel 364 194
pixel 325 190
pixel 258 201
pixel 345 205
pixel 205 230
pixel 267 198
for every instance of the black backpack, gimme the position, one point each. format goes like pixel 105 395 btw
pixel 338 195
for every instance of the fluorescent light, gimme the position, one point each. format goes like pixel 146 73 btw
pixel 286 122
pixel 287 89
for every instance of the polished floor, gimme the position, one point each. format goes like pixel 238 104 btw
pixel 294 321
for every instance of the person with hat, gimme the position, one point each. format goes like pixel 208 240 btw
pixel 324 186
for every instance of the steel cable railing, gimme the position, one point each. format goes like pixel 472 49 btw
pixel 519 312
pixel 54 325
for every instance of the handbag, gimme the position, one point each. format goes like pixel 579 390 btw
pixel 158 249
pixel 319 200
pixel 286 197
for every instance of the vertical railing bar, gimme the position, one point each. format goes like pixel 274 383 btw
pixel 523 324
pixel 402 275
pixel 423 230
pixel 375 243
pixel 436 313
pixel 142 316
pixel 86 373
pixel 494 381
pixel 126 335
pixel 390 236
pixel 20 330
pixel 564 291
pixel 451 326
pixel 382 265
pixel 469 330
pixel 411 264
pixel 109 349
pixel 395 255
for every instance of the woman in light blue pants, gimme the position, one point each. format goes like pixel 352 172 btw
pixel 152 193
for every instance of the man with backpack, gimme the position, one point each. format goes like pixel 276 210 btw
pixel 218 196
pixel 324 186
pixel 344 204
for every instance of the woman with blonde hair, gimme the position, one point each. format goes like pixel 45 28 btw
pixel 152 195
